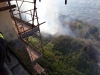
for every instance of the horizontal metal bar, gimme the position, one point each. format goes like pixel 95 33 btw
pixel 22 21
pixel 27 21
pixel 40 24
pixel 25 11
pixel 30 32
pixel 26 30
pixel 25 1
pixel 7 8
pixel 22 13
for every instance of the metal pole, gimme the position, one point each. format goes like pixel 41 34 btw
pixel 39 34
pixel 65 1
pixel 20 14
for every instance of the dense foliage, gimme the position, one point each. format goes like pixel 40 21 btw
pixel 67 56
pixel 64 55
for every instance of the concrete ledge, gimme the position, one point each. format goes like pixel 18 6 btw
pixel 9 72
pixel 14 67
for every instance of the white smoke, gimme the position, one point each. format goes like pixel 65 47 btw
pixel 48 10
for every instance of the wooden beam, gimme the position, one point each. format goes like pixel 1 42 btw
pixel 4 0
pixel 7 8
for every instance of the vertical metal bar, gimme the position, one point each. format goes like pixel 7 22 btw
pixel 21 4
pixel 65 1
pixel 34 12
pixel 20 14
pixel 39 33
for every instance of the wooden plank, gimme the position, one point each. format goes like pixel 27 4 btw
pixel 4 0
pixel 30 32
pixel 38 68
pixel 7 8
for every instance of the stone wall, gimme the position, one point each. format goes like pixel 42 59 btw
pixel 6 25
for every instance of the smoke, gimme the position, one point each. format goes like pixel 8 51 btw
pixel 49 11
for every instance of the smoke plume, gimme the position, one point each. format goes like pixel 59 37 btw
pixel 49 11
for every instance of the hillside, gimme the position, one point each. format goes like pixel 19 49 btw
pixel 67 55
